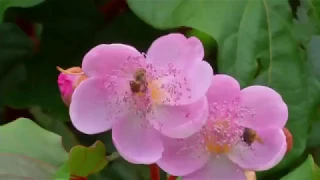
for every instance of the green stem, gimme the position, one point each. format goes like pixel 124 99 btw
pixel 113 156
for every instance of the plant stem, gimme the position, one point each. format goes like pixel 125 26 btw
pixel 172 177
pixel 154 172
pixel 113 156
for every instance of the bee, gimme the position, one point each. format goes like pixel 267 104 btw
pixel 140 80
pixel 249 136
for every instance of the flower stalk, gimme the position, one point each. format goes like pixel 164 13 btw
pixel 172 177
pixel 113 156
pixel 154 172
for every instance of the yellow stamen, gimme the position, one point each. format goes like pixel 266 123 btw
pixel 155 91
pixel 211 141
pixel 216 148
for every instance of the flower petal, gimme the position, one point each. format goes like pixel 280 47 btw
pixel 264 108
pixel 180 121
pixel 105 59
pixel 261 156
pixel 136 141
pixel 175 49
pixel 189 86
pixel 94 107
pixel 223 89
pixel 182 156
pixel 220 168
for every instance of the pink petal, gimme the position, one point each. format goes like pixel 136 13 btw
pixel 219 168
pixel 94 107
pixel 188 87
pixel 182 156
pixel 180 121
pixel 175 49
pixel 264 108
pixel 105 59
pixel 259 157
pixel 136 141
pixel 223 89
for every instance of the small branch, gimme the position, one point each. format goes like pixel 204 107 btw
pixel 113 156
pixel 154 172
pixel 172 177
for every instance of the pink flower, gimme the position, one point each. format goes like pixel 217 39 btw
pixel 243 132
pixel 68 80
pixel 142 96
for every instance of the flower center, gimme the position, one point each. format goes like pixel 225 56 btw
pixel 220 135
pixel 146 88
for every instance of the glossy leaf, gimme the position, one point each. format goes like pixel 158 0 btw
pixel 63 22
pixel 62 173
pixel 84 161
pixel 4 4
pixel 15 48
pixel 307 170
pixel 28 151
pixel 55 125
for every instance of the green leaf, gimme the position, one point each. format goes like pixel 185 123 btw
pixel 313 67
pixel 314 136
pixel 84 161
pixel 308 22
pixel 56 126
pixel 307 170
pixel 63 22
pixel 62 173
pixel 256 46
pixel 28 151
pixel 4 4
pixel 15 48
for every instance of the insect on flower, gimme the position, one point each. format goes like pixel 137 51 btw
pixel 139 84
pixel 249 136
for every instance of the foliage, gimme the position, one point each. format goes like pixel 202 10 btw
pixel 28 151
pixel 307 170
pixel 267 42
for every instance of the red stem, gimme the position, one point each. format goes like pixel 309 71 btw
pixel 154 172
pixel 172 177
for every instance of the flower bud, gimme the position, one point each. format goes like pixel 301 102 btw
pixel 68 80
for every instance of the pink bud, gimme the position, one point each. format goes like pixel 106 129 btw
pixel 68 80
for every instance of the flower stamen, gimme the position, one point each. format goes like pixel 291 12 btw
pixel 220 135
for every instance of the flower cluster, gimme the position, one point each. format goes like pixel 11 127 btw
pixel 167 107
